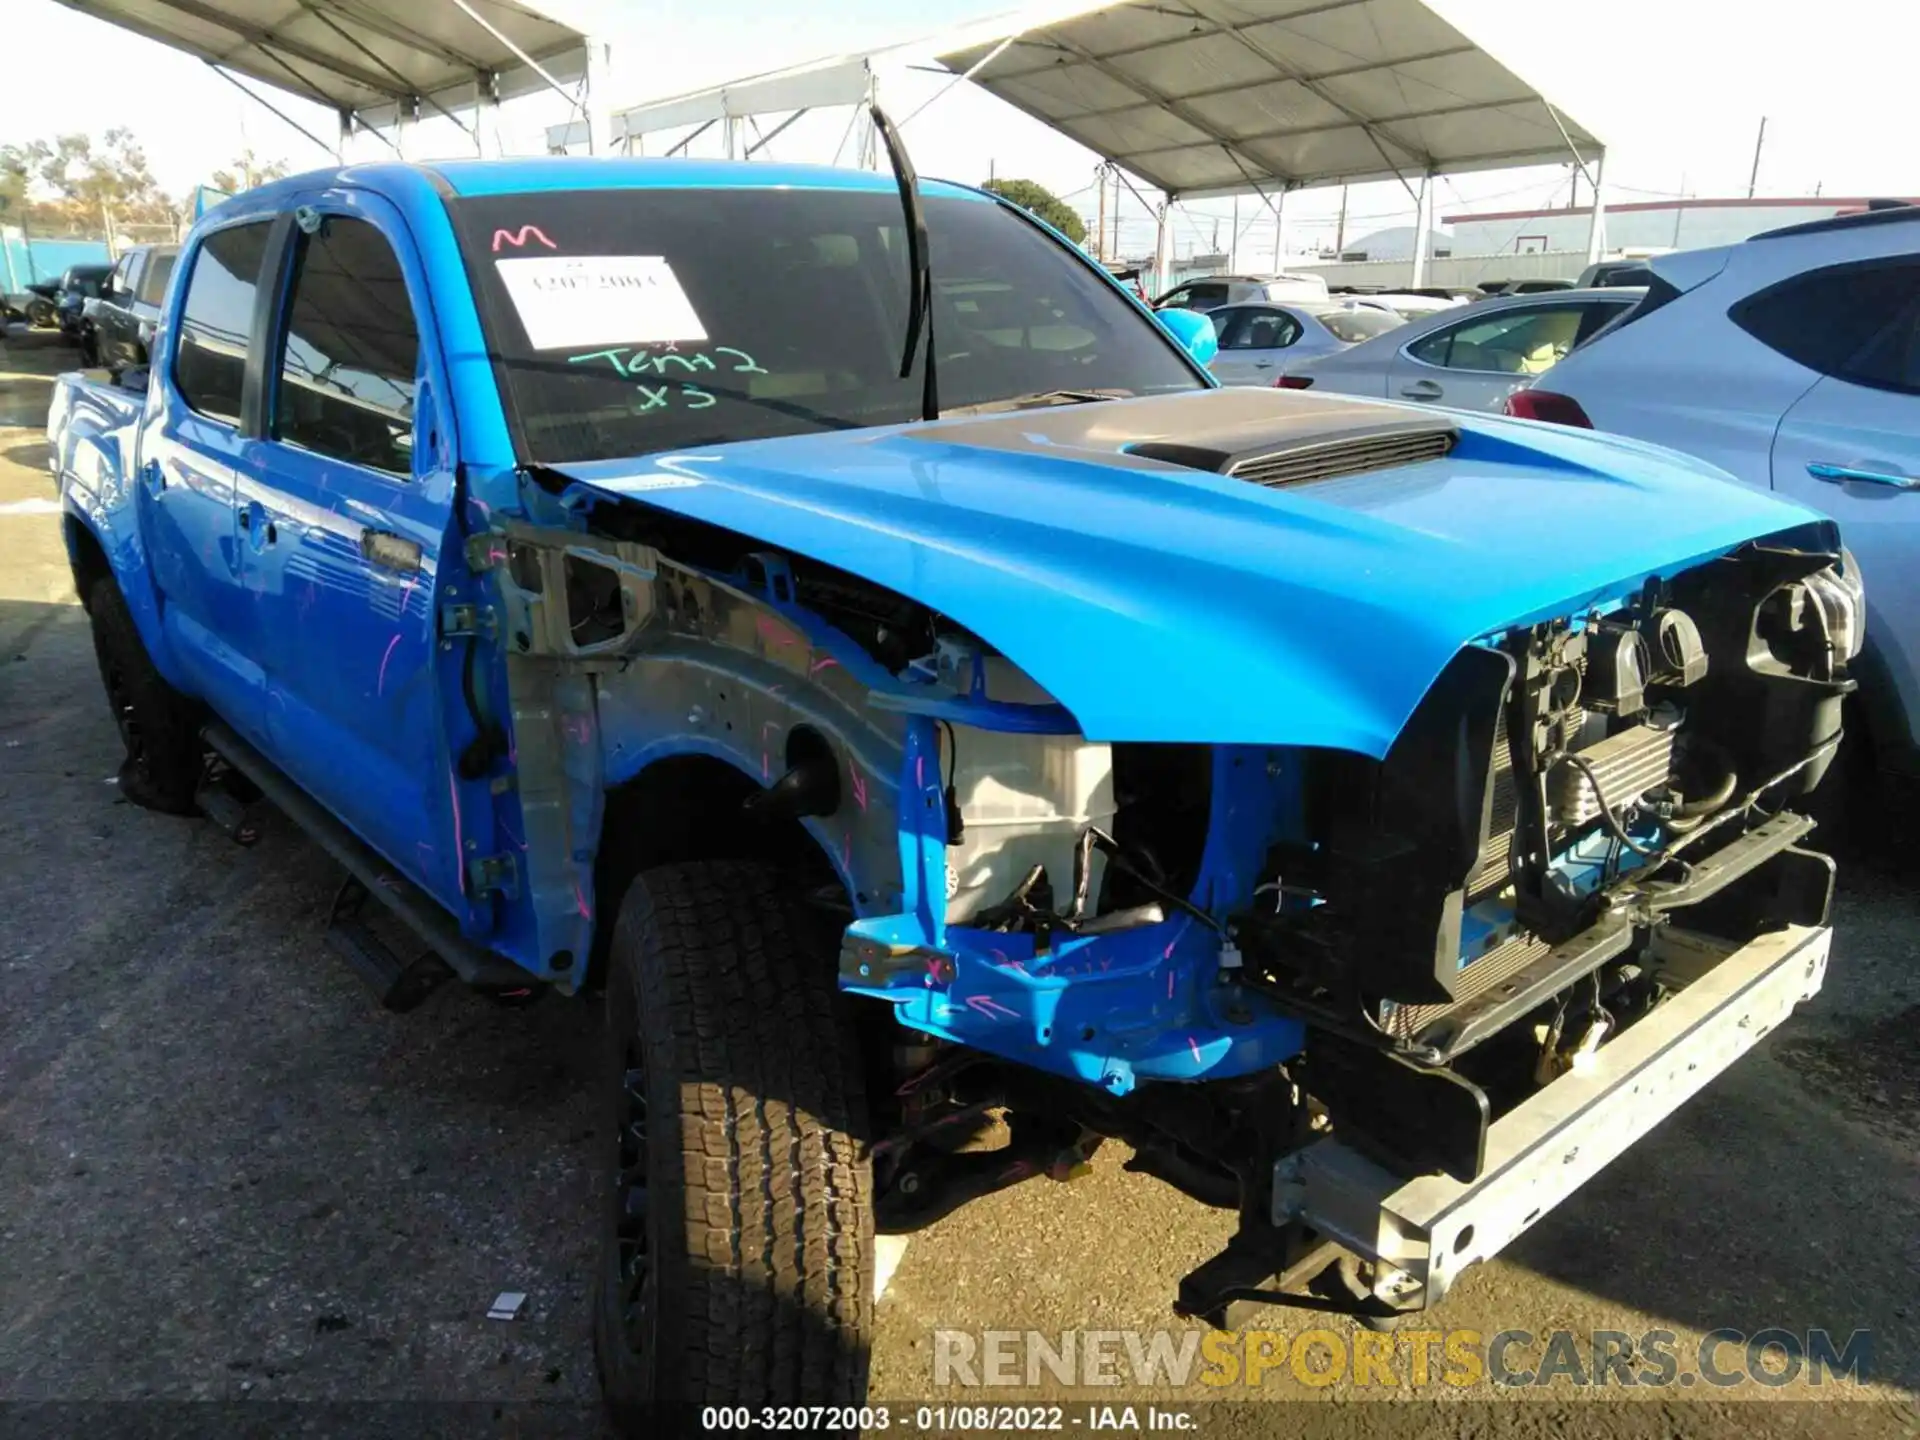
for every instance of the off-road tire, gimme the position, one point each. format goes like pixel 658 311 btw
pixel 757 1193
pixel 159 727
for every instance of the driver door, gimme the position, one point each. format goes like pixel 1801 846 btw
pixel 345 507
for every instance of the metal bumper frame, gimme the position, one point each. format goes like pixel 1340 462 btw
pixel 1422 1233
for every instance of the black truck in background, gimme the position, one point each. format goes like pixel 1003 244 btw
pixel 128 307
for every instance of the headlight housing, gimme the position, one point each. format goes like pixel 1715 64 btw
pixel 1842 599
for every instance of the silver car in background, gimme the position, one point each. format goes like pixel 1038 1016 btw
pixel 1256 340
pixel 1470 357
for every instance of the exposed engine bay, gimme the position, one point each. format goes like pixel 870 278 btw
pixel 1472 916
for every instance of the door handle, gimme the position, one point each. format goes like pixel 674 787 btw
pixel 1422 390
pixel 1845 474
pixel 390 552
pixel 1263 364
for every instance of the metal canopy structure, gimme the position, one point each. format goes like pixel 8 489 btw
pixel 1208 98
pixel 367 59
pixel 817 85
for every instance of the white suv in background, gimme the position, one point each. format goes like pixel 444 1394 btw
pixel 1792 361
pixel 1210 292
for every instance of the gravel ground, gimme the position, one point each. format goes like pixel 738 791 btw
pixel 228 1176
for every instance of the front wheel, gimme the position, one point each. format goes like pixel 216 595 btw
pixel 737 1246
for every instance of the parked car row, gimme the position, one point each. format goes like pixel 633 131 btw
pixel 107 311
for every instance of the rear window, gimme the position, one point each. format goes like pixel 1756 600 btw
pixel 629 322
pixel 1824 318
pixel 1353 326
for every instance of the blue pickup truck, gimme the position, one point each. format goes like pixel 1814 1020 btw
pixel 830 622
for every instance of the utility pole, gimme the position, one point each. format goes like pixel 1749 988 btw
pixel 1340 230
pixel 1116 210
pixel 1753 177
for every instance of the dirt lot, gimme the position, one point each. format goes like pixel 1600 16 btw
pixel 228 1176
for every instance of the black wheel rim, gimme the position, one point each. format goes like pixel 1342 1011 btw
pixel 632 1213
pixel 124 714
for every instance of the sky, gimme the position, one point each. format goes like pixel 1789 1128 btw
pixel 1676 88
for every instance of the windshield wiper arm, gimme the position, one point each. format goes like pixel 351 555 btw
pixel 919 263
pixel 1038 398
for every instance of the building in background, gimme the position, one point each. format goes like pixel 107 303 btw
pixel 1396 243
pixel 1642 225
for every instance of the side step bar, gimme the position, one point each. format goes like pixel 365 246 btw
pixel 408 902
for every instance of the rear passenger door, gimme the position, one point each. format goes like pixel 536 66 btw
pixel 1851 444
pixel 192 440
pixel 346 505
pixel 1253 343
pixel 1476 363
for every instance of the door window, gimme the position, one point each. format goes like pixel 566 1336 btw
pixel 1260 330
pixel 1515 342
pixel 1202 297
pixel 347 371
pixel 1825 318
pixel 1892 360
pixel 210 363
pixel 153 284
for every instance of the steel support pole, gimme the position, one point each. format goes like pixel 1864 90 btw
pixel 1422 229
pixel 1597 226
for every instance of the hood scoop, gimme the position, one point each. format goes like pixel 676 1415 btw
pixel 1274 438
pixel 1303 459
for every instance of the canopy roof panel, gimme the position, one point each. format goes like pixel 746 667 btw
pixel 356 54
pixel 1214 97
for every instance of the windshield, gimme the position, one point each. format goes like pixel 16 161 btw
pixel 622 322
pixel 1353 326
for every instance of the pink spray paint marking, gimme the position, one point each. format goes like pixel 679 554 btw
pixel 459 844
pixel 381 687
pixel 518 238
pixel 859 786
pixel 1169 984
pixel 919 772
pixel 986 1005
pixel 1194 1046
pixel 581 901
pixel 821 664
pixel 771 630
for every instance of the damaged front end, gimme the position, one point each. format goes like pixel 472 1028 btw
pixel 1373 962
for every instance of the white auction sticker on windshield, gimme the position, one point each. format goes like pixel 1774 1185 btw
pixel 568 301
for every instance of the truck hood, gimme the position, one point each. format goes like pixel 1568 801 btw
pixel 1158 601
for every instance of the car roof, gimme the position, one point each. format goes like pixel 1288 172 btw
pixel 1888 215
pixel 545 173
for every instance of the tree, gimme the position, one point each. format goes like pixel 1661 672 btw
pixel 248 171
pixel 71 183
pixel 1033 196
